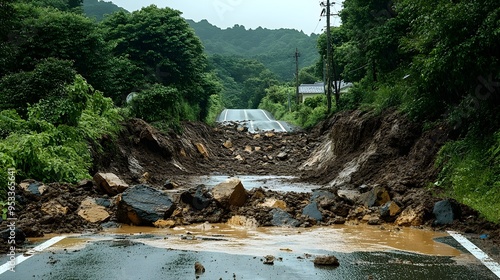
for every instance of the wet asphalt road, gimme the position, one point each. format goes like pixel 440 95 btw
pixel 129 257
pixel 255 120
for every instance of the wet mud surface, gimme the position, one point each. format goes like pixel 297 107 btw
pixel 229 252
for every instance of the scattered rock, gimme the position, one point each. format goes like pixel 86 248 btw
pixel 198 200
pixel 281 218
pixel 239 157
pixel 282 156
pixel 323 198
pixel 350 195
pixel 249 149
pixel 54 208
pixel 269 260
pixel 312 211
pixel 199 268
pixel 164 223
pixel 376 197
pixel 92 212
pixel 143 205
pixel 202 150
pixel 389 211
pixel 230 193
pixel 411 217
pixel 269 134
pixel 228 144
pixel 445 212
pixel 242 221
pixel 326 261
pixel 374 221
pixel 33 187
pixel 273 203
pixel 110 183
pixel 134 166
pixel 169 185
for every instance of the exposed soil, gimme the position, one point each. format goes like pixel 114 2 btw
pixel 353 151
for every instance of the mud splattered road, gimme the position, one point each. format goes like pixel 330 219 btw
pixel 234 252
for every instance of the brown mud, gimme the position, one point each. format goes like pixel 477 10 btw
pixel 353 151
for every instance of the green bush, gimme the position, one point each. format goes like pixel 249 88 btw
pixel 470 177
pixel 159 104
pixel 57 152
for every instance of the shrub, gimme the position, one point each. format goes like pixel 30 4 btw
pixel 471 178
pixel 159 104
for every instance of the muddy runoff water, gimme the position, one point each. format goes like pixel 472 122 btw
pixel 231 251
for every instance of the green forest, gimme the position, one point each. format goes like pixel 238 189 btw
pixel 67 66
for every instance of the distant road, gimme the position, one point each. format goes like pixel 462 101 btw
pixel 255 119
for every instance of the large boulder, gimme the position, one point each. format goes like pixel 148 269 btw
pixel 143 205
pixel 91 211
pixel 281 218
pixel 110 183
pixel 411 217
pixel 312 211
pixel 445 212
pixel 378 196
pixel 230 193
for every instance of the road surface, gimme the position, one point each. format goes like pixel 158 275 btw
pixel 254 119
pixel 229 253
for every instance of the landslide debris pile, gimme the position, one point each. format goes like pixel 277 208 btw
pixel 373 170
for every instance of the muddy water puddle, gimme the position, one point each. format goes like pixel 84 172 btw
pixel 274 183
pixel 257 241
pixel 235 252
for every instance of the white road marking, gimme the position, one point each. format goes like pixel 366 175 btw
pixel 247 119
pixel 21 258
pixel 478 253
pixel 282 127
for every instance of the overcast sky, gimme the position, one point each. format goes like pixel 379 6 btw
pixel 272 14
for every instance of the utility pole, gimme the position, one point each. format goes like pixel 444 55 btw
pixel 297 55
pixel 328 55
pixel 331 72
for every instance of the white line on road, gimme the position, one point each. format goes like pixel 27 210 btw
pixel 246 119
pixel 478 253
pixel 21 258
pixel 282 127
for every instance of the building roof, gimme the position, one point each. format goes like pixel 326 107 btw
pixel 312 88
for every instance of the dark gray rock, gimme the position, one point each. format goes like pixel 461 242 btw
pixel 376 197
pixel 103 202
pixel 143 205
pixel 282 219
pixel 199 200
pixel 445 212
pixel 323 198
pixel 111 225
pixel 312 211
pixel 282 156
pixel 326 261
